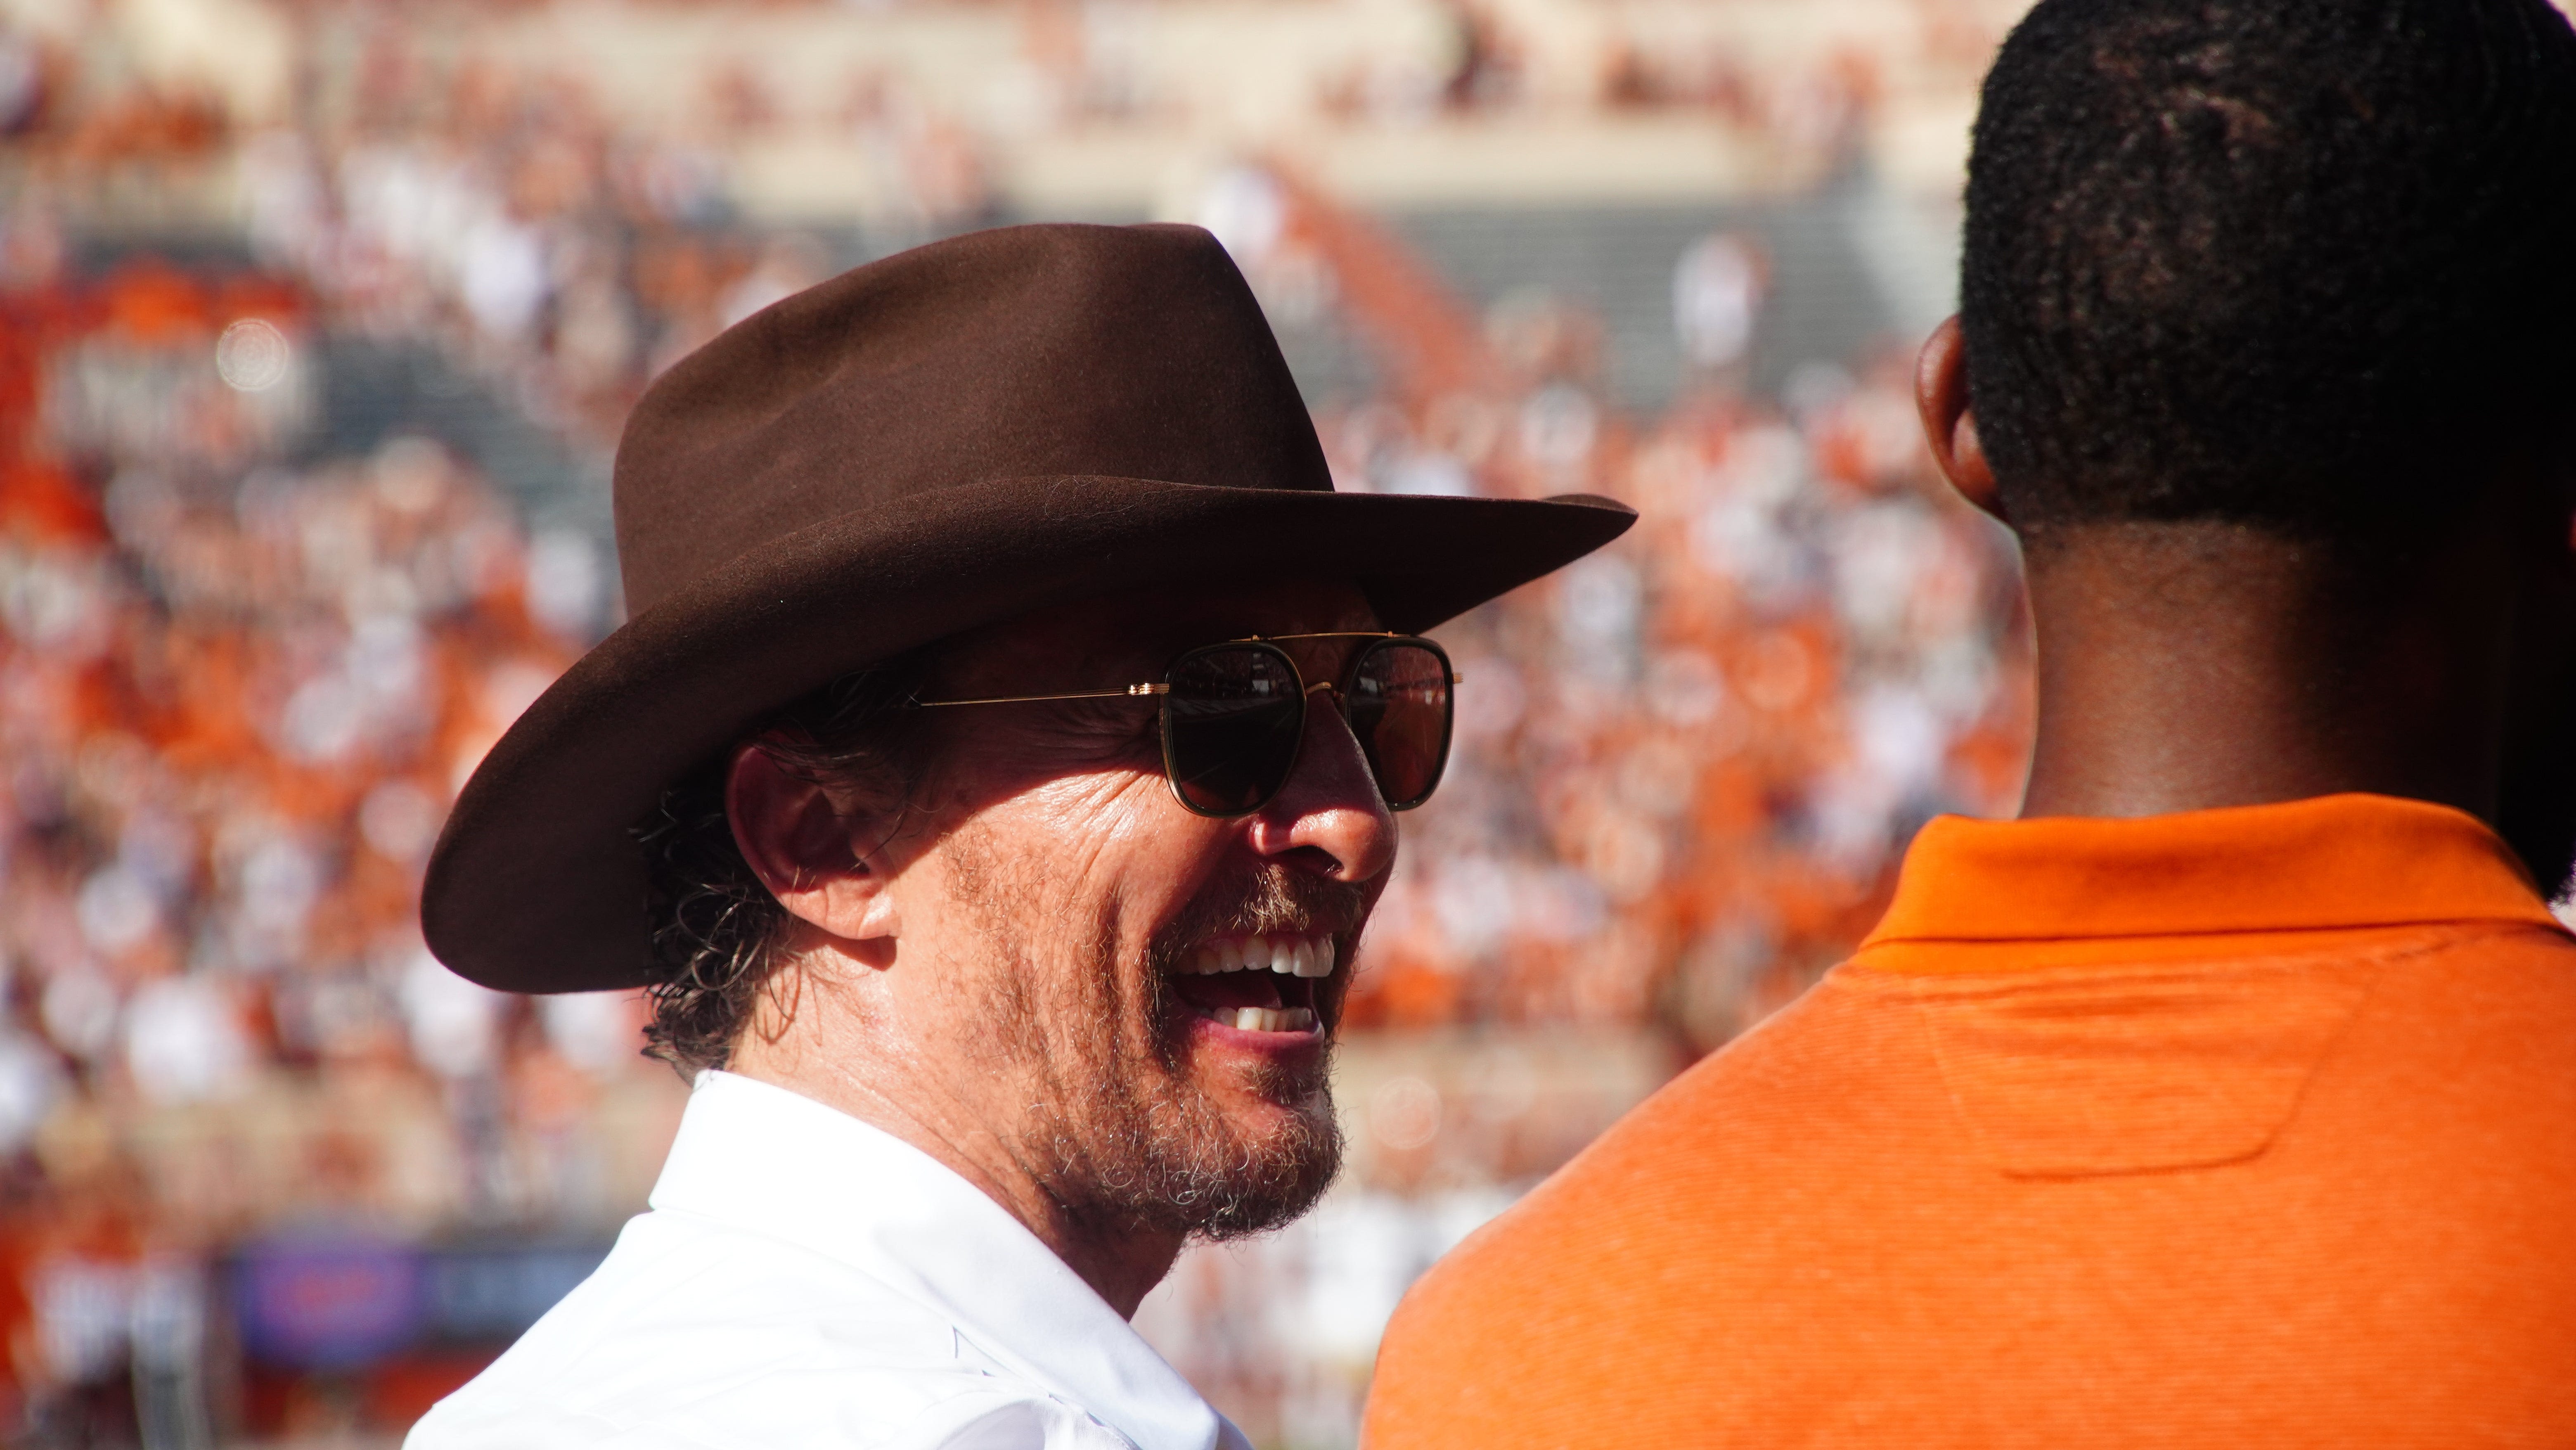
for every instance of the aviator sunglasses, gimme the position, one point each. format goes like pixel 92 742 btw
pixel 1234 717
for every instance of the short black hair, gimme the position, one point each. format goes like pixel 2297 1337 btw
pixel 2301 264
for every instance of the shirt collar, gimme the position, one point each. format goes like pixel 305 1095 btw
pixel 763 1158
pixel 2339 861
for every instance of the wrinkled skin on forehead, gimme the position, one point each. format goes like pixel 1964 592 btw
pixel 1008 972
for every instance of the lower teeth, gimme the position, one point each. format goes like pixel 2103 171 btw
pixel 1270 1019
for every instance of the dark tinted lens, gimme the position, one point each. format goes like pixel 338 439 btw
pixel 1399 707
pixel 1231 727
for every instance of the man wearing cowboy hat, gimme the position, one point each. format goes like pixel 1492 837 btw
pixel 989 789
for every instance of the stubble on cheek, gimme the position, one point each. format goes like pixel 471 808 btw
pixel 1024 1004
pixel 1108 1110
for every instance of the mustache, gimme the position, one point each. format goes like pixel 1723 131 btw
pixel 1271 900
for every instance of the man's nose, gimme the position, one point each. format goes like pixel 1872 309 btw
pixel 1329 813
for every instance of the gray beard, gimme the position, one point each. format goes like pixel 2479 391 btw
pixel 1167 1161
pixel 1119 1137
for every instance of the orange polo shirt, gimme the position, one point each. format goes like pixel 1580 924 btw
pixel 2234 1128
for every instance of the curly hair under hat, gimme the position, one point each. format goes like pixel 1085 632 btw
pixel 715 927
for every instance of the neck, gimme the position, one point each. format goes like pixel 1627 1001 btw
pixel 828 1053
pixel 2189 666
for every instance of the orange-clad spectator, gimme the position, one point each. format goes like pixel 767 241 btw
pixel 18 1347
pixel 2224 1099
pixel 39 502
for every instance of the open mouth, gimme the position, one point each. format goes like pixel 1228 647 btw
pixel 1257 983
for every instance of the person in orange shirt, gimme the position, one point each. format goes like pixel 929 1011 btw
pixel 2228 1097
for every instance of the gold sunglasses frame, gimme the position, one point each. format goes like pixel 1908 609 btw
pixel 1157 688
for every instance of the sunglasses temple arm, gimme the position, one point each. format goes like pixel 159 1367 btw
pixel 1154 688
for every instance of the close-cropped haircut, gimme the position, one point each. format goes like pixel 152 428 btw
pixel 2308 265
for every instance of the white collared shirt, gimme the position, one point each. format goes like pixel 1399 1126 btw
pixel 806 1281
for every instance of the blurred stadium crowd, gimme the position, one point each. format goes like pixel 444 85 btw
pixel 267 1171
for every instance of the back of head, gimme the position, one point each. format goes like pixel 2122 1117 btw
pixel 2308 265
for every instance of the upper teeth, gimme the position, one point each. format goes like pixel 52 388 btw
pixel 1294 956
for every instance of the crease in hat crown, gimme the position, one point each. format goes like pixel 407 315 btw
pixel 1023 352
pixel 990 424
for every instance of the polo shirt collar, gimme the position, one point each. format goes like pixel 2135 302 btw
pixel 2339 861
pixel 762 1158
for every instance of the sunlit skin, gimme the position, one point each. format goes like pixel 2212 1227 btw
pixel 2191 665
pixel 1046 841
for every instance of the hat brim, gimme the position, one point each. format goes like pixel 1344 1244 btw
pixel 537 885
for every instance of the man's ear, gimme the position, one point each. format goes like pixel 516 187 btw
pixel 805 848
pixel 1941 397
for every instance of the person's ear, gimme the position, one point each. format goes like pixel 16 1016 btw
pixel 1941 397
pixel 806 847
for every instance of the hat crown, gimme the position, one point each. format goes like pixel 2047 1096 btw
pixel 1021 352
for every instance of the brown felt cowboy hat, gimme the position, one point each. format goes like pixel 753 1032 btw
pixel 939 440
